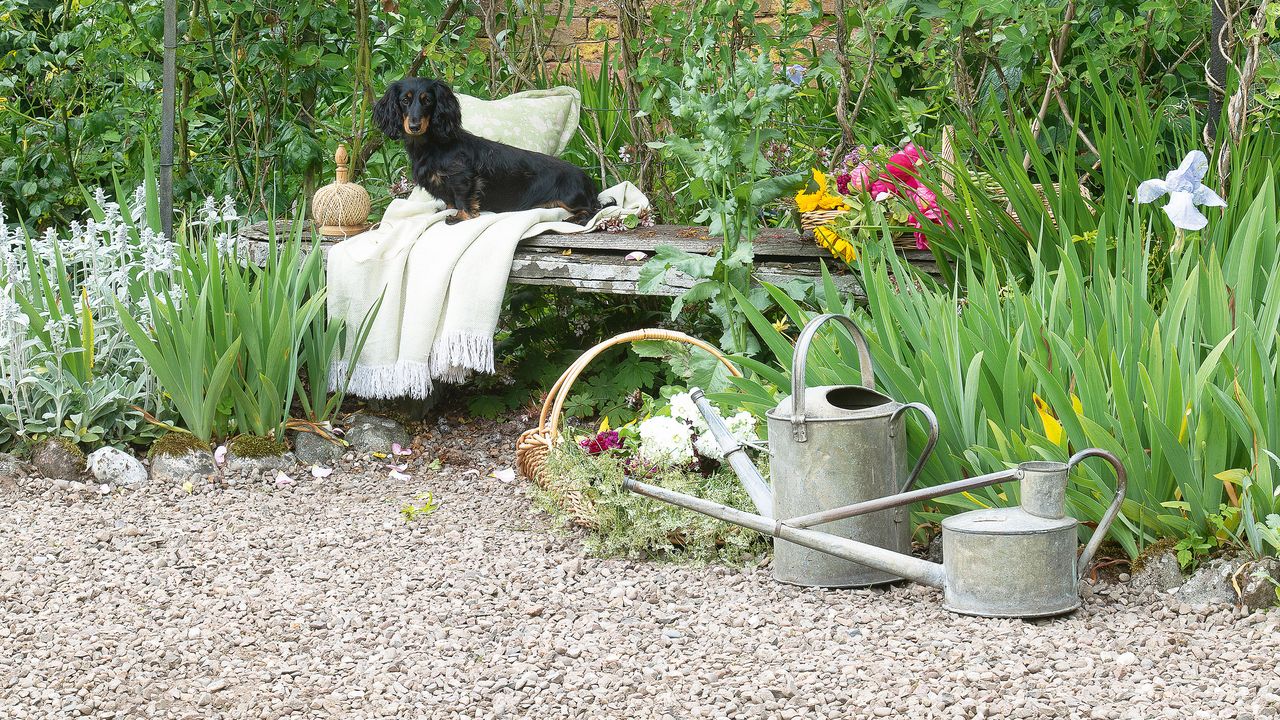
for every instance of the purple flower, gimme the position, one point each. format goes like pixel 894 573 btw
pixel 795 73
pixel 607 440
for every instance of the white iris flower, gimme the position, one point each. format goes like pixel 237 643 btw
pixel 1186 190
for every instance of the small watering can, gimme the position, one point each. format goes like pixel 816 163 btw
pixel 837 445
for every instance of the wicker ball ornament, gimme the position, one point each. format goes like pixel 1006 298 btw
pixel 341 208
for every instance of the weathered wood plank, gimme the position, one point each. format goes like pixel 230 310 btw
pixel 769 243
pixel 595 262
pixel 596 272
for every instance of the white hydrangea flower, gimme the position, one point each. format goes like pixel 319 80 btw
pixel 665 441
pixel 683 408
pixel 743 426
pixel 707 447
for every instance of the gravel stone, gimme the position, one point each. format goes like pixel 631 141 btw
pixel 53 460
pixel 370 434
pixel 174 470
pixel 1210 584
pixel 1258 584
pixel 1160 574
pixel 258 465
pixel 311 449
pixel 116 467
pixel 10 466
pixel 318 600
pixel 11 471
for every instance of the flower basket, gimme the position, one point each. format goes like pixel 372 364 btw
pixel 534 444
pixel 810 221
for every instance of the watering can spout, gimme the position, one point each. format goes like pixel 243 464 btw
pixel 736 456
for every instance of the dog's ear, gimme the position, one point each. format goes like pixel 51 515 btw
pixel 446 117
pixel 387 115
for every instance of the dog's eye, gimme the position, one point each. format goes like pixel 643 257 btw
pixel 405 100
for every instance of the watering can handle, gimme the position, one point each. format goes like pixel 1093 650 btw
pixel 1122 484
pixel 801 357
pixel 928 446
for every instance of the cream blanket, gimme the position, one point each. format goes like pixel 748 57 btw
pixel 441 286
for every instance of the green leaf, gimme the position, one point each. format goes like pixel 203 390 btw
pixel 769 189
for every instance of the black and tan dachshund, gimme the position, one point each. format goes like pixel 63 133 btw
pixel 469 173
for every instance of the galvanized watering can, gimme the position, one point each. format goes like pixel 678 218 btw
pixel 1003 562
pixel 836 445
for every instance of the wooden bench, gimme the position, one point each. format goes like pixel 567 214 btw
pixel 596 262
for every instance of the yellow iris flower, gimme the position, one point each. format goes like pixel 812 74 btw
pixel 1052 426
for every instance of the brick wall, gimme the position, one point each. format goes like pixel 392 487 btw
pixel 594 25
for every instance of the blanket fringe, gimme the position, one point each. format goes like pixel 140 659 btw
pixel 384 382
pixel 456 353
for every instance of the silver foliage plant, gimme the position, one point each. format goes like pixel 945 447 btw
pixel 67 366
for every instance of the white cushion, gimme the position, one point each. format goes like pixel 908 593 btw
pixel 540 120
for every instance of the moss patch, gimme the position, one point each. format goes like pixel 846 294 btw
pixel 71 448
pixel 1153 550
pixel 253 446
pixel 632 526
pixel 177 444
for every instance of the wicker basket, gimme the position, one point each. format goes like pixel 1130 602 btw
pixel 534 444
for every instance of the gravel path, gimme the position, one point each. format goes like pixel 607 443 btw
pixel 319 601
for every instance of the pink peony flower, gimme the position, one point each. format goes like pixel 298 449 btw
pixel 926 203
pixel 607 440
pixel 902 167
pixel 915 154
pixel 883 188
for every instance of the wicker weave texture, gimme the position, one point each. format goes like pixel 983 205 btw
pixel 534 444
